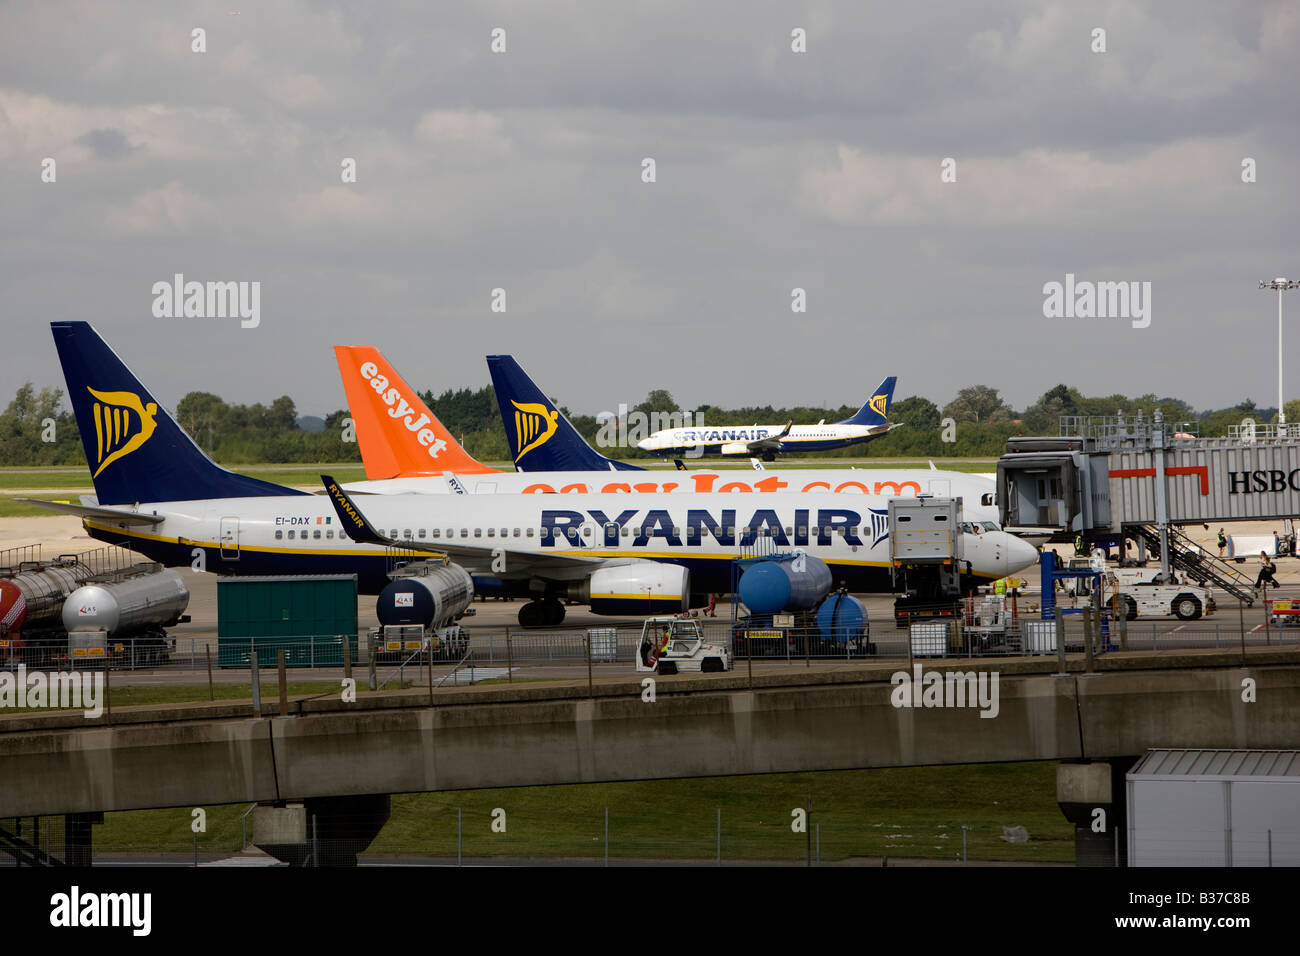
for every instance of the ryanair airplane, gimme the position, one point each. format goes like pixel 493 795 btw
pixel 407 450
pixel 158 494
pixel 870 421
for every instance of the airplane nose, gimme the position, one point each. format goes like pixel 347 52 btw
pixel 1019 554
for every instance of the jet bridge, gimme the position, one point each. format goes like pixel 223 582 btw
pixel 1110 478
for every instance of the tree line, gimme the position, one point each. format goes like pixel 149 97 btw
pixel 36 428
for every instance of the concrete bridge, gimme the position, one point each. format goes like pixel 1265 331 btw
pixel 346 758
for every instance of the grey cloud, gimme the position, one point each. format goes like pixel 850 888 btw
pixel 107 144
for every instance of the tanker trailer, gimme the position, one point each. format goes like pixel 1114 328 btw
pixel 128 611
pixel 791 582
pixel 843 624
pixel 31 605
pixel 417 611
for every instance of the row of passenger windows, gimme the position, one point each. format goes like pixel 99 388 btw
pixel 545 533
pixel 586 531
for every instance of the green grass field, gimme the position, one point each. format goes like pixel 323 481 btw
pixel 910 812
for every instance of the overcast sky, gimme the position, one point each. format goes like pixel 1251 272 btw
pixel 522 170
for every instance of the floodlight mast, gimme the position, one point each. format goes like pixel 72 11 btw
pixel 1281 284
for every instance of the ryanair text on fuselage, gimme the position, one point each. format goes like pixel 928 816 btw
pixel 562 528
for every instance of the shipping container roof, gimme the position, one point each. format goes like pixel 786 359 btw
pixel 280 578
pixel 1218 763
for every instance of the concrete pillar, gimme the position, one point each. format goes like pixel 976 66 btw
pixel 77 841
pixel 337 827
pixel 1092 796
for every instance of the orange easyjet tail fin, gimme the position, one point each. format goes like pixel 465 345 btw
pixel 398 435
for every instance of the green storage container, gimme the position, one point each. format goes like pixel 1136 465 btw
pixel 305 616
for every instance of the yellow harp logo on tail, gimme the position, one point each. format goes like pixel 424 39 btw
pixel 122 424
pixel 877 404
pixel 534 426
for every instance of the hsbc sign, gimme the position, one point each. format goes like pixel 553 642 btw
pixel 1272 480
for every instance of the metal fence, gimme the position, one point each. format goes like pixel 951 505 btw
pixel 786 835
pixel 500 647
pixel 175 654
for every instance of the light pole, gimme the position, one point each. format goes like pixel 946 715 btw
pixel 1281 284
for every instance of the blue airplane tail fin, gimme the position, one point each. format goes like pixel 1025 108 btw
pixel 541 438
pixel 136 451
pixel 876 410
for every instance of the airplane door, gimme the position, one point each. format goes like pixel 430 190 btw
pixel 230 538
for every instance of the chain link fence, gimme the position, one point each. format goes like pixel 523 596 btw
pixel 500 647
pixel 631 835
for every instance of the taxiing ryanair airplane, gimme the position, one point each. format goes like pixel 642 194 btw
pixel 406 449
pixel 870 421
pixel 158 494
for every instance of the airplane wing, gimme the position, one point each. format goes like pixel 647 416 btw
pixel 771 443
pixel 89 511
pixel 756 464
pixel 359 529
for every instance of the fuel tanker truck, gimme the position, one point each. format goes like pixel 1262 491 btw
pixel 418 612
pixel 32 594
pixel 794 585
pixel 57 611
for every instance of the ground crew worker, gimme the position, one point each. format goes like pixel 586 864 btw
pixel 1000 586
pixel 1223 542
pixel 1266 571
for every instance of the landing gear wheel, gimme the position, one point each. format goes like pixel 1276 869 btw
pixel 553 611
pixel 532 614
pixel 1186 607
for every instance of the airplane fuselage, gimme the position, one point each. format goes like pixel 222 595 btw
pixel 732 439
pixel 516 534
